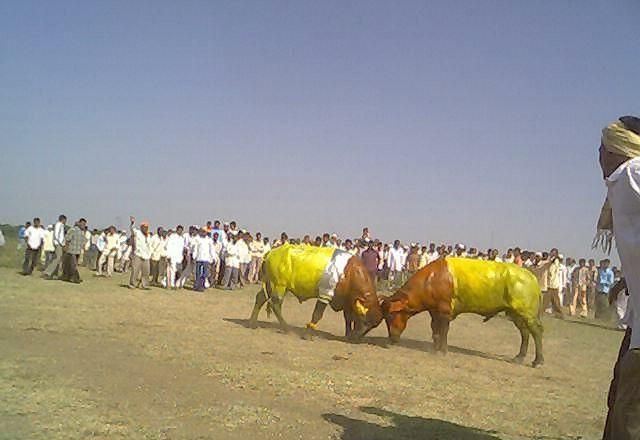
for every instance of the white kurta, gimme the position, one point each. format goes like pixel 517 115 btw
pixel 175 247
pixel 624 197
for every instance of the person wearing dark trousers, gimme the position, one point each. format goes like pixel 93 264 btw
pixel 34 238
pixel 58 243
pixel 74 243
pixel 619 219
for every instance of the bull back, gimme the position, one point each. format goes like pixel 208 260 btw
pixel 488 287
pixel 296 269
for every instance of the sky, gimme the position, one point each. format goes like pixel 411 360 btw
pixel 462 121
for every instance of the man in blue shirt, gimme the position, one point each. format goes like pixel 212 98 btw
pixel 21 232
pixel 606 279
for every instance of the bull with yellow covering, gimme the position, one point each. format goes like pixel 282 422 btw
pixel 450 286
pixel 331 276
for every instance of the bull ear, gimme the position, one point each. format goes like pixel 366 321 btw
pixel 359 307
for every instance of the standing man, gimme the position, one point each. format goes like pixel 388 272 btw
pixel 581 284
pixel 175 254
pixel 231 264
pixel 396 263
pixel 606 279
pixel 554 284
pixel 571 282
pixel 204 255
pixel 156 245
pixel 74 244
pixel 21 231
pixel 370 258
pixel 110 251
pixel 215 266
pixel 33 238
pixel 620 217
pixel 47 246
pixel 244 257
pixel 140 256
pixel 58 244
pixel 256 247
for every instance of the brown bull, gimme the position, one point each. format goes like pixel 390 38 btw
pixel 331 276
pixel 451 286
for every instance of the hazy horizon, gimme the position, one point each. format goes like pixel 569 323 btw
pixel 465 122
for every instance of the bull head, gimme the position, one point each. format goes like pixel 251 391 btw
pixel 396 315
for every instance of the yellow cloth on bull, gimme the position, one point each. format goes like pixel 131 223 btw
pixel 618 139
pixel 484 287
pixel 306 271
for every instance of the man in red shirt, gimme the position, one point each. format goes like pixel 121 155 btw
pixel 370 258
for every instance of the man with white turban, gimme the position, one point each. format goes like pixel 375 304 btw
pixel 620 219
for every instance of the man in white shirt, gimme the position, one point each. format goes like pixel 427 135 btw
pixel 231 264
pixel 256 248
pixel 109 252
pixel 620 215
pixel 432 253
pixel 396 263
pixel 156 244
pixel 244 257
pixel 218 248
pixel 175 253
pixel 84 253
pixel 33 237
pixel 48 249
pixel 140 256
pixel 188 263
pixel 58 244
pixel 569 289
pixel 508 257
pixel 203 255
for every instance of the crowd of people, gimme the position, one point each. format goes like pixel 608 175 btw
pixel 224 256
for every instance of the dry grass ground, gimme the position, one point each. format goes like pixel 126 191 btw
pixel 100 361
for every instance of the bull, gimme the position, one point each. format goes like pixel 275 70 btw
pixel 450 286
pixel 331 276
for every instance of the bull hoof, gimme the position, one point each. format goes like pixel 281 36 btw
pixel 518 359
pixel 537 363
pixel 253 324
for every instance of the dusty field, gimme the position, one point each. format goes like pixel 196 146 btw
pixel 100 361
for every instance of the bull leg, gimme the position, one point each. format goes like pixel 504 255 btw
pixel 276 302
pixel 261 298
pixel 316 316
pixel 444 332
pixel 535 327
pixel 435 331
pixel 349 324
pixel 524 334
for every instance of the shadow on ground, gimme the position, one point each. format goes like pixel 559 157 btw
pixel 382 342
pixel 593 323
pixel 404 427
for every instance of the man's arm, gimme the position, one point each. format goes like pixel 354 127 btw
pixel 132 219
